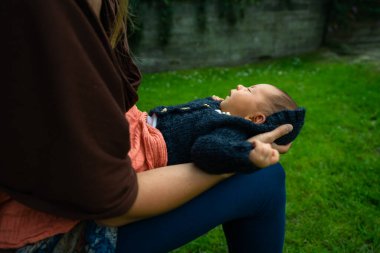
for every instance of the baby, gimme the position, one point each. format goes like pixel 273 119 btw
pixel 212 132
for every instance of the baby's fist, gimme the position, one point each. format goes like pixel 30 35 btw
pixel 216 98
pixel 263 155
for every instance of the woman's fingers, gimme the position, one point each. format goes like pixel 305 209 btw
pixel 282 148
pixel 280 131
pixel 273 135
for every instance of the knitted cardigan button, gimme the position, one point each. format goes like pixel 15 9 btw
pixel 207 105
pixel 185 108
pixel 164 110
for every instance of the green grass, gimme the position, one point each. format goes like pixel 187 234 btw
pixel 333 168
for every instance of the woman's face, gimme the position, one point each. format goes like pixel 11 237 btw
pixel 96 6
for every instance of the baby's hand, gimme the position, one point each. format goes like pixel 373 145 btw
pixel 263 154
pixel 216 98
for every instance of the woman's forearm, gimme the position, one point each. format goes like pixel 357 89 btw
pixel 163 189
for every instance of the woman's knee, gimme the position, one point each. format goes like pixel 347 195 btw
pixel 277 173
pixel 270 179
pixel 266 187
pixel 275 191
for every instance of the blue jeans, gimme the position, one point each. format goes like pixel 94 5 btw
pixel 251 208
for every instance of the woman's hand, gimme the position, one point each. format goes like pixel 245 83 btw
pixel 271 136
pixel 263 154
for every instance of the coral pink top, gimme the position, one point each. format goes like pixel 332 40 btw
pixel 148 147
pixel 21 225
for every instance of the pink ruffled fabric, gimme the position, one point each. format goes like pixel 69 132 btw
pixel 148 147
pixel 20 225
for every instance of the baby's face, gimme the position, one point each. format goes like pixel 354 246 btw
pixel 244 101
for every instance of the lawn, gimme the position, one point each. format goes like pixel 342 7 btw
pixel 333 168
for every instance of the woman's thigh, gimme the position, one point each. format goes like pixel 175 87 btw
pixel 253 204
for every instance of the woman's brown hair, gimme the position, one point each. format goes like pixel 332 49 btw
pixel 119 26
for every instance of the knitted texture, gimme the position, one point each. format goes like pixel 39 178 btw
pixel 215 142
pixel 294 117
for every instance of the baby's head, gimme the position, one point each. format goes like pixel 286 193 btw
pixel 257 102
pixel 265 103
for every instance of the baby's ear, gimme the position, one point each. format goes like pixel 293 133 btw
pixel 257 118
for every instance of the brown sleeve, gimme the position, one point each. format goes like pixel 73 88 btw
pixel 63 106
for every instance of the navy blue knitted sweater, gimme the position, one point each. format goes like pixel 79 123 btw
pixel 215 142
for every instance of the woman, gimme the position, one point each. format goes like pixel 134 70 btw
pixel 68 80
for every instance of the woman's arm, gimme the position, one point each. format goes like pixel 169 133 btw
pixel 164 189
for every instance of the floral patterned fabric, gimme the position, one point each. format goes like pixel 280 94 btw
pixel 86 237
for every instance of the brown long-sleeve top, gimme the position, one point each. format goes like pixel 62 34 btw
pixel 64 94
